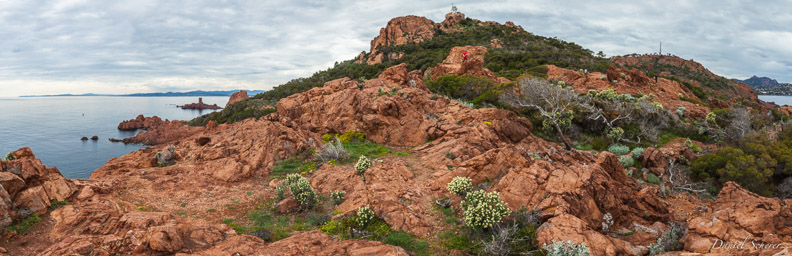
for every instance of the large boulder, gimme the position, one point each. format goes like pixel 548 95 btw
pixel 237 97
pixel 741 222
pixel 400 30
pixel 28 187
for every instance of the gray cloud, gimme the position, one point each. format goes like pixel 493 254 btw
pixel 80 46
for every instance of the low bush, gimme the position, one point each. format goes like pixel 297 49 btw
pixel 651 178
pixel 333 151
pixel 25 225
pixel 338 196
pixel 362 165
pixel 364 216
pixel 618 149
pixel 9 157
pixel 482 209
pixel 566 249
pixel 669 241
pixel 460 186
pixel 636 152
pixel 626 161
pixel 302 191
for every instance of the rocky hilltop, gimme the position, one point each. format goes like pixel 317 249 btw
pixel 272 185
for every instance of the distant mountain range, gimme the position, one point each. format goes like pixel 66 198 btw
pixel 767 86
pixel 158 94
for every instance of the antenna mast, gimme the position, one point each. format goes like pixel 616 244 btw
pixel 661 48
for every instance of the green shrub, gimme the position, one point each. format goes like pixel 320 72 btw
pixel 636 152
pixel 9 157
pixel 618 149
pixel 364 216
pixel 460 186
pixel 362 165
pixel 164 157
pixel 482 209
pixel 626 161
pixel 280 190
pixel 406 241
pixel 566 249
pixel 303 192
pixel 616 134
pixel 55 204
pixel 25 225
pixel 651 178
pixel 680 112
pixel 351 136
pixel 338 196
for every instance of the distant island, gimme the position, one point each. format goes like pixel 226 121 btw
pixel 767 86
pixel 155 94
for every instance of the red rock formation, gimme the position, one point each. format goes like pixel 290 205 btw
pixel 573 190
pixel 739 215
pixel 474 65
pixel 237 97
pixel 200 105
pixel 401 30
pixel 28 187
pixel 157 130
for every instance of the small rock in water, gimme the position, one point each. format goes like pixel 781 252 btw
pixel 84 138
pixel 95 137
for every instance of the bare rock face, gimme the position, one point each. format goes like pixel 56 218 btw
pixel 157 130
pixel 305 243
pixel 741 222
pixel 28 187
pixel 456 65
pixel 141 122
pixel 401 30
pixel 237 97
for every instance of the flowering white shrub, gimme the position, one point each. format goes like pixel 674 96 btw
pixel 460 186
pixel 482 209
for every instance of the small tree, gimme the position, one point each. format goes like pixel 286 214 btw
pixel 555 103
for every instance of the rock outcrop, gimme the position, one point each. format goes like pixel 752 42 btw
pixel 400 30
pixel 28 187
pixel 199 105
pixel 474 65
pixel 741 223
pixel 156 131
pixel 237 97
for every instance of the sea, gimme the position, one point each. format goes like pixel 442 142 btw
pixel 52 127
pixel 780 100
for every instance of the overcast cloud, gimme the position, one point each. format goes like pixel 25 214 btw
pixel 79 46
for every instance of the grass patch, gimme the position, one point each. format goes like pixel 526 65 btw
pixel 368 149
pixel 292 165
pixel 25 225
pixel 55 204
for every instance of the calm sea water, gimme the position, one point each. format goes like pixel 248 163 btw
pixel 52 127
pixel 780 100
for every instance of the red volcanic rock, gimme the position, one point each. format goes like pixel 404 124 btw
pixel 237 97
pixel 200 105
pixel 28 187
pixel 400 30
pixel 157 130
pixel 305 243
pixel 738 215
pixel 141 122
pixel 456 65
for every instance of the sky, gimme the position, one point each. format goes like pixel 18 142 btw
pixel 82 46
